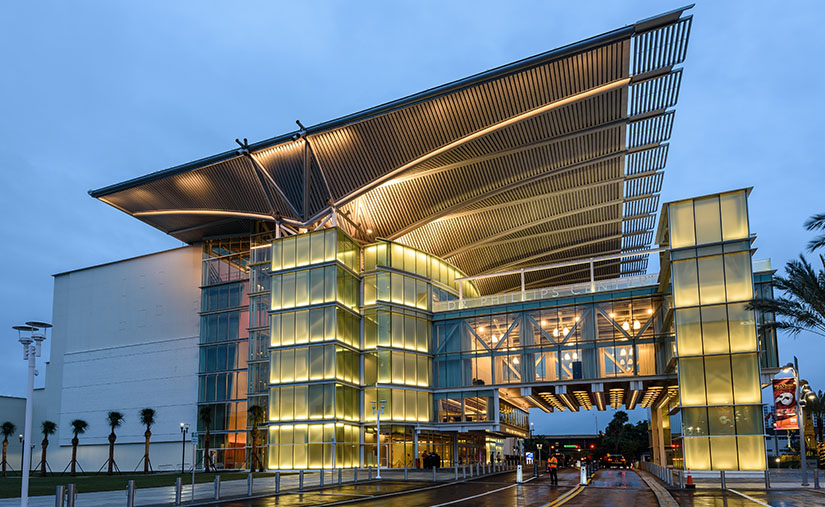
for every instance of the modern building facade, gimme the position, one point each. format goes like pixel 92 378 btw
pixel 463 256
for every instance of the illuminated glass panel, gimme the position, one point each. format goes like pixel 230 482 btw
pixel 685 283
pixel 692 381
pixel 715 329
pixel 711 280
pixel 734 210
pixel 688 332
pixel 742 328
pixel 681 224
pixel 751 453
pixel 708 221
pixel 718 379
pixel 738 277
pixel 746 383
pixel 724 455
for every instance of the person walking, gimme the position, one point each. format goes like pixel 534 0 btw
pixel 552 466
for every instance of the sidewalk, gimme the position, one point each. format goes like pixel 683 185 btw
pixel 237 489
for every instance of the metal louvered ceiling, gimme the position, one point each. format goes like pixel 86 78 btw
pixel 559 156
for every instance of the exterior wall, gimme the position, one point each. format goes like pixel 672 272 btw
pixel 719 372
pixel 13 410
pixel 125 338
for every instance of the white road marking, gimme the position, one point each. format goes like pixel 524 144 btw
pixel 480 494
pixel 752 499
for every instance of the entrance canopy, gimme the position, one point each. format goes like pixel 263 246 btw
pixel 555 157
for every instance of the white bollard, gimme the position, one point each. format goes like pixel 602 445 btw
pixel 519 476
pixel 583 476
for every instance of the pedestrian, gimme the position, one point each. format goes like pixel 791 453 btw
pixel 552 466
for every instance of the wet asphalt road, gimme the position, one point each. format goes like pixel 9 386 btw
pixel 718 498
pixel 610 487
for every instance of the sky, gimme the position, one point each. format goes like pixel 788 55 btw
pixel 93 93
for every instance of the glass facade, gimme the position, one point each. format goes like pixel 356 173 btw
pixel 716 335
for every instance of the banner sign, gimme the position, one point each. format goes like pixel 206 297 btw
pixel 784 399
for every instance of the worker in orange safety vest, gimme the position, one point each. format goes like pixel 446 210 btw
pixel 552 466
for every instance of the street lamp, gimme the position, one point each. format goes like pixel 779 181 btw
pixel 378 410
pixel 800 417
pixel 31 336
pixel 184 427
pixel 538 462
pixel 20 436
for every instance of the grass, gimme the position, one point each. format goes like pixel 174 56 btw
pixel 86 483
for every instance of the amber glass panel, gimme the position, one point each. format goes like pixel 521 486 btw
pixel 398 411
pixel 751 453
pixel 708 222
pixel 276 256
pixel 695 421
pixel 681 224
pixel 746 383
pixel 275 331
pixel 718 380
pixel 685 290
pixel 697 453
pixel 301 402
pixel 302 250
pixel 301 370
pixel 688 332
pixel 715 329
pixel 749 420
pixel 724 455
pixel 287 328
pixel 721 421
pixel 288 247
pixel 711 280
pixel 742 328
pixel 692 381
pixel 275 290
pixel 316 247
pixel 301 327
pixel 734 216
pixel 738 276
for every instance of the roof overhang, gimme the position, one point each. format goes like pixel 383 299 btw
pixel 558 156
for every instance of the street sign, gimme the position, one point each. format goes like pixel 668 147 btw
pixel 194 438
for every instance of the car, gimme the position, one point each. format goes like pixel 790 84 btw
pixel 615 461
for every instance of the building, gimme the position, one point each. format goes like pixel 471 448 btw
pixel 458 257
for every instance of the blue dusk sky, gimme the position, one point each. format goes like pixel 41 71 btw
pixel 94 93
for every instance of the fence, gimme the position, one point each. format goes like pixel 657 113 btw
pixel 277 483
pixel 767 479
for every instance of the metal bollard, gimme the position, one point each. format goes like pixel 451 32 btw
pixel 455 466
pixel 340 476
pixel 178 490
pixel 321 480
pixel 278 482
pixel 369 473
pixel 681 480
pixel 464 471
pixel 767 479
pixel 60 496
pixel 355 476
pixel 405 473
pixel 71 495
pixel 130 494
pixel 478 468
pixel 722 477
pixel 300 480
pixel 816 478
pixel 433 474
pixel 217 487
pixel 249 485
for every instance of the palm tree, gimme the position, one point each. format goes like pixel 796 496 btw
pixel 256 419
pixel 78 426
pixel 205 416
pixel 47 428
pixel 114 419
pixel 8 428
pixel 816 223
pixel 802 305
pixel 147 418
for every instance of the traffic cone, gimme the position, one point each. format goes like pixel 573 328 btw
pixel 690 484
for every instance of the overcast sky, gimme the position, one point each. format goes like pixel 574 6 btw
pixel 93 93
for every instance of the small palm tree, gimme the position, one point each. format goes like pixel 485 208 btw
pixel 816 407
pixel 114 419
pixel 256 419
pixel 802 305
pixel 79 426
pixel 147 418
pixel 47 428
pixel 8 429
pixel 205 416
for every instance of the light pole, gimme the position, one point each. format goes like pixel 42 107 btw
pixel 378 409
pixel 31 336
pixel 21 454
pixel 538 463
pixel 800 417
pixel 184 427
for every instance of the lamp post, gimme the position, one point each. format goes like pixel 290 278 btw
pixel 378 409
pixel 20 436
pixel 184 427
pixel 31 336
pixel 538 462
pixel 800 417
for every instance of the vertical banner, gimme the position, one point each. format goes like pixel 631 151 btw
pixel 784 399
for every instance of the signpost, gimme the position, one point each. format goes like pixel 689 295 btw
pixel 194 446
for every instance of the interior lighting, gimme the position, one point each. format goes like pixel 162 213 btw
pixel 556 333
pixel 623 353
pixel 636 325
pixel 626 326
pixel 575 356
pixel 649 311
pixel 567 356
pixel 543 323
pixel 495 339
pixel 515 360
pixel 611 315
pixel 577 319
pixel 566 330
pixel 369 231
pixel 481 329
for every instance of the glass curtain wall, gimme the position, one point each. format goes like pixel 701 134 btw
pixel 314 342
pixel 718 364
pixel 224 351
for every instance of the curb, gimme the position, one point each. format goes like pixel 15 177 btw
pixel 663 497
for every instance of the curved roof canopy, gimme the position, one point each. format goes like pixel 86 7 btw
pixel 555 157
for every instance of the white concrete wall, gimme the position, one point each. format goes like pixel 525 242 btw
pixel 125 338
